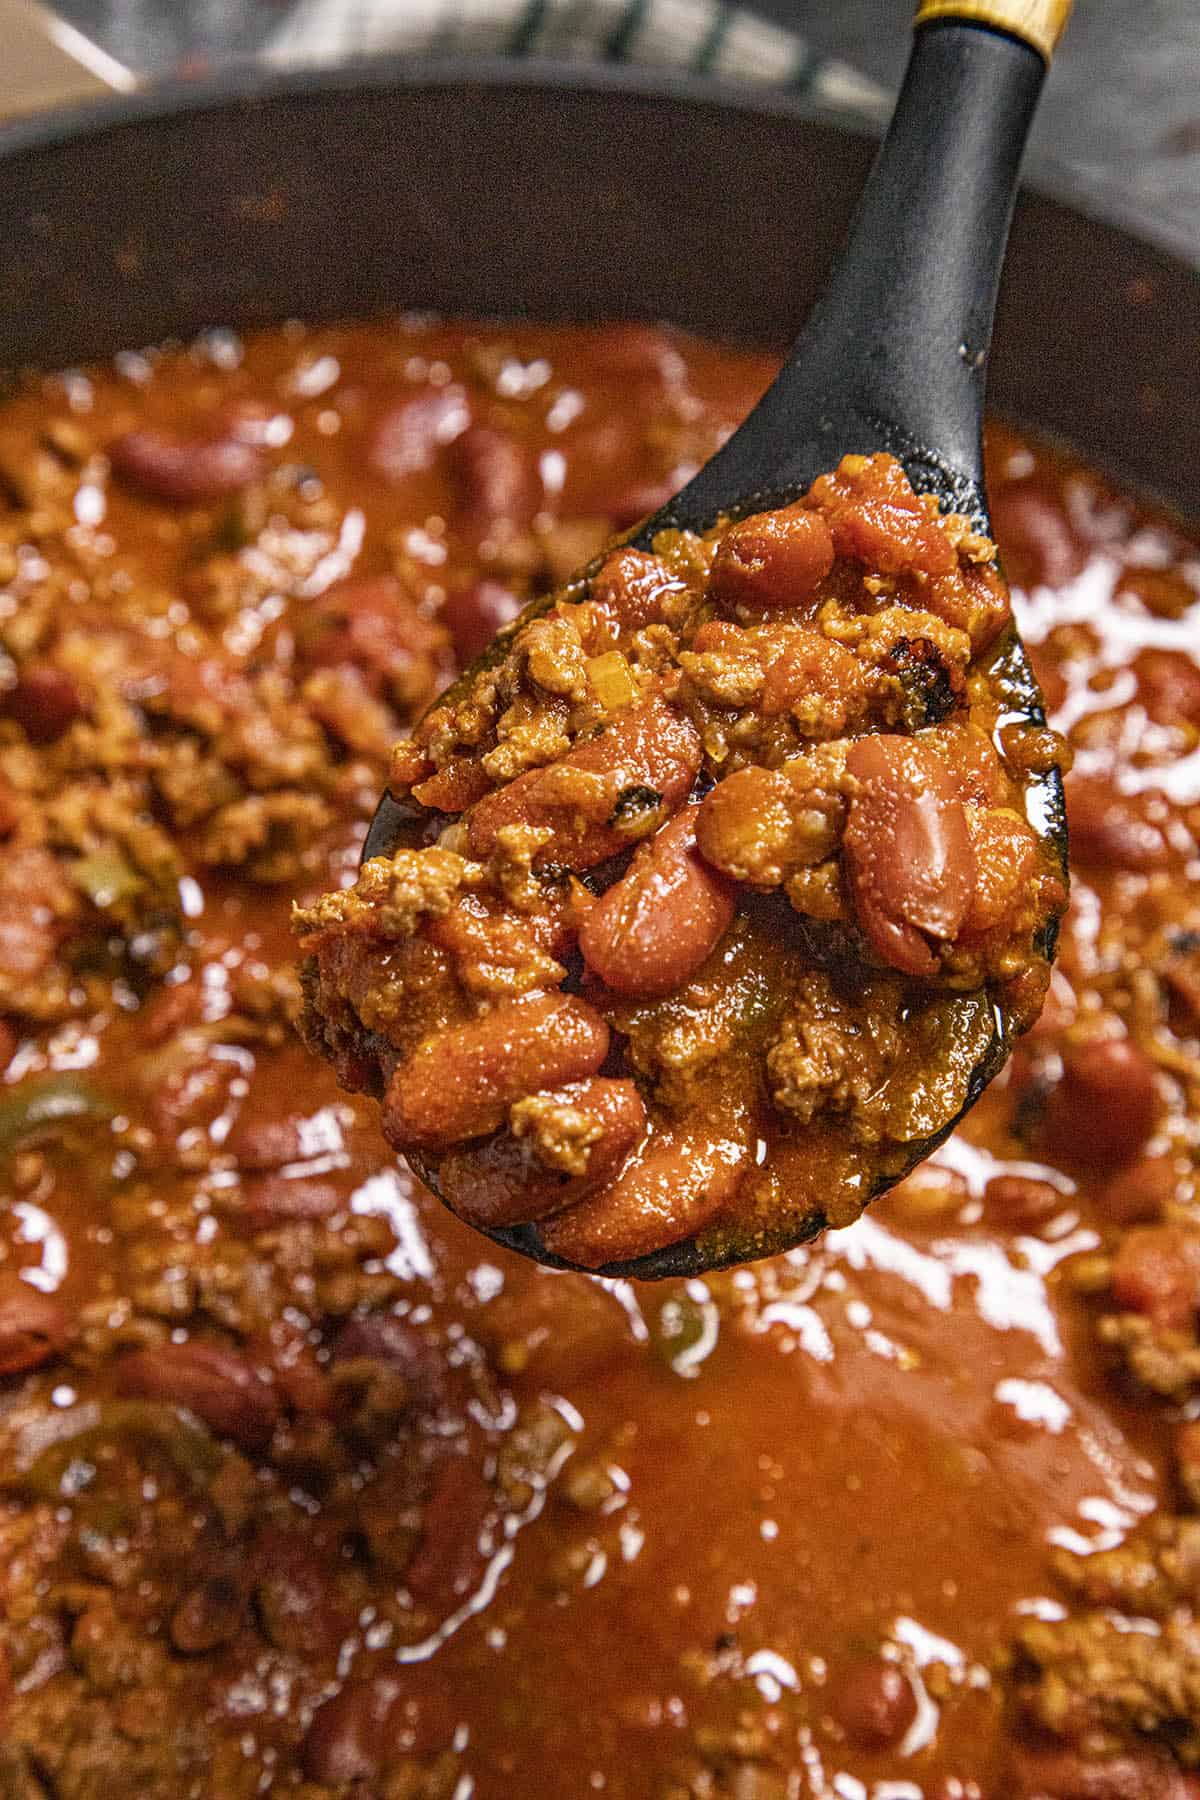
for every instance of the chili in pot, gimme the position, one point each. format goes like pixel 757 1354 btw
pixel 304 1489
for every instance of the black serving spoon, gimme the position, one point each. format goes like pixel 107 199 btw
pixel 893 357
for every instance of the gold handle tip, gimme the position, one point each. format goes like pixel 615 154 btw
pixel 1039 23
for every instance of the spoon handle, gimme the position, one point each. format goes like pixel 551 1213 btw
pixel 893 355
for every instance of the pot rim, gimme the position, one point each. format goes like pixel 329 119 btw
pixel 246 85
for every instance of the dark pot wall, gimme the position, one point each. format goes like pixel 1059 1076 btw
pixel 509 190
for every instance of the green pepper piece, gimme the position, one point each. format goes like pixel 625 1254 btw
pixel 684 1331
pixel 107 878
pixel 170 1430
pixel 44 1105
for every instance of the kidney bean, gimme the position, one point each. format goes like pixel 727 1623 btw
pixel 969 753
pixel 287 1359
pixel 44 701
pixel 371 624
pixel 1115 830
pixel 1168 686
pixel 409 435
pixel 350 1737
pixel 1156 1272
pixel 655 926
pixel 874 1703
pixel 271 1143
pixel 399 1346
pixel 761 825
pixel 1139 1192
pixel 188 1087
pixel 1020 1202
pixel 459 1083
pixel 681 1178
pixel 166 465
pixel 497 482
pixel 1037 544
pixel 448 1560
pixel 372 1723
pixel 33 1327
pixel 501 1182
pixel 907 849
pixel 170 1010
pixel 218 1385
pixel 773 560
pixel 271 1200
pixel 648 746
pixel 632 589
pixel 473 615
pixel 1069 1775
pixel 1106 1103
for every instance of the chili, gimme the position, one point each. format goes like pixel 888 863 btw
pixel 338 1499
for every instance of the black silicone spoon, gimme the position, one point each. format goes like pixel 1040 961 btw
pixel 893 357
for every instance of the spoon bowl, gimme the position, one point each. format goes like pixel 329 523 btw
pixel 892 358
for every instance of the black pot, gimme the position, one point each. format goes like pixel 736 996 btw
pixel 517 188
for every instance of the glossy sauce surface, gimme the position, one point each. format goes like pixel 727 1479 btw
pixel 432 1522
